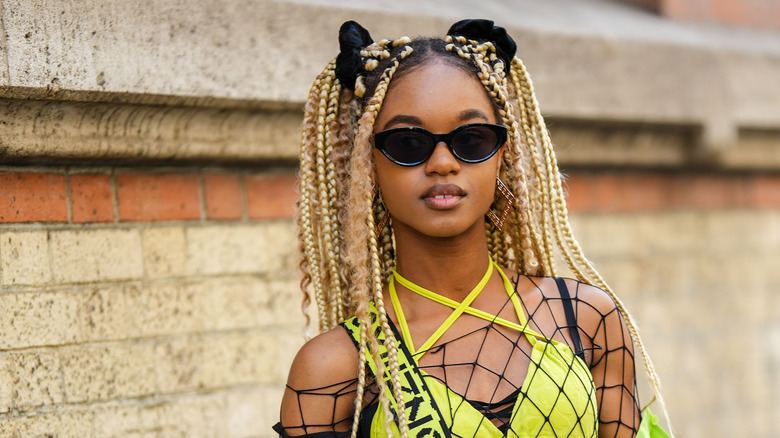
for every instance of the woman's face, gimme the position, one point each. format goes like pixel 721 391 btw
pixel 442 197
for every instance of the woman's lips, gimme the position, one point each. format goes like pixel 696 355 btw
pixel 443 196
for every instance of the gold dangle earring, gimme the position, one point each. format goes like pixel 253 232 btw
pixel 509 199
pixel 385 215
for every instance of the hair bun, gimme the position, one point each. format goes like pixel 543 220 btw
pixel 484 30
pixel 352 39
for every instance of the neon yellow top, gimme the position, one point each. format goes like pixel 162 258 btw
pixel 556 399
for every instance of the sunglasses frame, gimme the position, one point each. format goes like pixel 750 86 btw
pixel 499 130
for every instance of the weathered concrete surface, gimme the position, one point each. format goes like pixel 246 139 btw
pixel 173 49
pixel 598 61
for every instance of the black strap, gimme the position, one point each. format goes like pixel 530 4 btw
pixel 571 320
pixel 422 412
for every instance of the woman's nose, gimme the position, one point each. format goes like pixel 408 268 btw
pixel 442 161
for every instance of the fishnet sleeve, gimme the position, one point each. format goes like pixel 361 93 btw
pixel 320 394
pixel 315 411
pixel 611 359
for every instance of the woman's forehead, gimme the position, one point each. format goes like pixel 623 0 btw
pixel 435 90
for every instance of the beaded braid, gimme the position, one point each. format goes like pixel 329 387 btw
pixel 490 71
pixel 307 229
pixel 362 154
pixel 324 230
pixel 553 207
pixel 337 209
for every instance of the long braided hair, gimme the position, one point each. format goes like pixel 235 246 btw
pixel 345 261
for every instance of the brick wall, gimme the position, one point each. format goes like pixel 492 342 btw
pixel 695 257
pixel 702 285
pixel 137 303
pixel 746 13
pixel 165 301
pixel 81 196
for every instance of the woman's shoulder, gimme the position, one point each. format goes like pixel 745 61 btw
pixel 580 291
pixel 321 387
pixel 328 358
pixel 588 293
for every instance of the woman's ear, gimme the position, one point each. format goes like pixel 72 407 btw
pixel 500 155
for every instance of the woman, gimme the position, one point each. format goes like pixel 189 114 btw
pixel 430 218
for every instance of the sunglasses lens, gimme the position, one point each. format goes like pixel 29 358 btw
pixel 408 147
pixel 474 143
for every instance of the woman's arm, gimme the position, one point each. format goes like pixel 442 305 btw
pixel 321 387
pixel 611 362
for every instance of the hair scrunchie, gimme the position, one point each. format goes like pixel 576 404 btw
pixel 484 30
pixel 352 39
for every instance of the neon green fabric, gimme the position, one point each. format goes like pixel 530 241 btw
pixel 557 397
pixel 423 416
pixel 649 427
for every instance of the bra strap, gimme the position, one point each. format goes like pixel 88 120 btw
pixel 571 320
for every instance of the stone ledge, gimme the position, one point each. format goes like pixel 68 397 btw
pixel 37 131
pixel 610 143
pixel 62 130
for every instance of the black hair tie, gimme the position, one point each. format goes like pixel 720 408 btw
pixel 484 30
pixel 352 39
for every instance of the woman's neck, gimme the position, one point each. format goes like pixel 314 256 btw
pixel 448 266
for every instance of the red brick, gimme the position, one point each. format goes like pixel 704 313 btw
pixel 33 197
pixel 223 196
pixel 659 191
pixel 642 192
pixel 764 191
pixel 271 196
pixel 578 193
pixel 678 194
pixel 91 198
pixel 731 11
pixel 157 197
pixel 604 193
pixel 745 13
pixel 708 192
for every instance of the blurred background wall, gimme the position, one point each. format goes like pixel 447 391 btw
pixel 148 282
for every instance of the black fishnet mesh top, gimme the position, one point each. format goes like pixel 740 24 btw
pixel 487 364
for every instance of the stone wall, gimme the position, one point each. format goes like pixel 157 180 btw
pixel 148 281
pixel 697 267
pixel 145 302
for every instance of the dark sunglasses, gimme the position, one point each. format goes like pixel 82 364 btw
pixel 412 145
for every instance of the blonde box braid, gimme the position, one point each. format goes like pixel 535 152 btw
pixel 553 206
pixel 321 226
pixel 334 242
pixel 362 154
pixel 568 245
pixel 306 219
pixel 490 74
